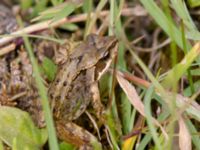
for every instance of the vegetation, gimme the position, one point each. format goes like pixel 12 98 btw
pixel 150 94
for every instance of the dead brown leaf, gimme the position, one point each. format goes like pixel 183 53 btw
pixel 135 99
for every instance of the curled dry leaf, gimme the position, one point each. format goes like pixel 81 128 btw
pixel 135 99
pixel 185 104
pixel 184 136
pixel 131 94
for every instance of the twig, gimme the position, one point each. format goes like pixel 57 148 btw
pixel 7 49
pixel 94 124
pixel 18 96
pixel 134 79
pixel 49 24
pixel 182 100
pixel 166 42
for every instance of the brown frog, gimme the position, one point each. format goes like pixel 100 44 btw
pixel 76 85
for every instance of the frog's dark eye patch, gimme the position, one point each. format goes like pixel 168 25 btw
pixel 99 68
pixel 65 83
pixel 106 54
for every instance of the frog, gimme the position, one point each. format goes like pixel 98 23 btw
pixel 76 86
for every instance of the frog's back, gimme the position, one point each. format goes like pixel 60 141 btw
pixel 70 92
pixel 69 103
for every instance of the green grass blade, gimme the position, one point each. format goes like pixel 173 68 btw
pixel 66 11
pixel 112 16
pixel 187 91
pixel 111 128
pixel 53 144
pixel 56 2
pixel 185 51
pixel 193 35
pixel 144 142
pixel 100 6
pixel 181 10
pixel 58 12
pixel 126 108
pixel 1 145
pixel 152 128
pixel 180 101
pixel 59 41
pixel 177 71
pixel 194 3
pixel 163 21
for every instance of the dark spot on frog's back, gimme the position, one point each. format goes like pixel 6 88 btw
pixel 57 80
pixel 65 83
pixel 58 97
pixel 48 51
pixel 80 58
pixel 51 95
pixel 83 73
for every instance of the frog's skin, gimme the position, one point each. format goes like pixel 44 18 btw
pixel 76 85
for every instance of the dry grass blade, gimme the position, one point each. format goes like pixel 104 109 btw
pixel 7 49
pixel 131 94
pixel 185 103
pixel 48 24
pixel 135 100
pixel 94 124
pixel 184 136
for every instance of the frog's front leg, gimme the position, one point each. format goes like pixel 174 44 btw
pixel 96 100
pixel 70 132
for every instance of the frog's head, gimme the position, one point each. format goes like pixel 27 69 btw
pixel 105 51
pixel 102 44
pixel 96 51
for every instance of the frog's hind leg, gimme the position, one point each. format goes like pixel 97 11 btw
pixel 72 133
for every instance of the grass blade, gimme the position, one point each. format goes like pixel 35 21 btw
pixel 53 144
pixel 177 71
pixel 152 128
pixel 163 21
pixel 184 135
